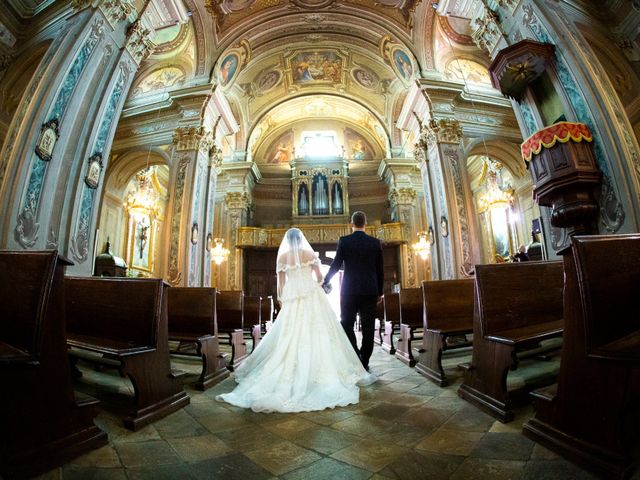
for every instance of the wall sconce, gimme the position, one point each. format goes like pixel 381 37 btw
pixel 422 247
pixel 218 253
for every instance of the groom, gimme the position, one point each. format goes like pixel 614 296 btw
pixel 361 285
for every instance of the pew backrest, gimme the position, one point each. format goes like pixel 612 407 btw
pixel 448 304
pixel 411 307
pixel 116 312
pixel 608 272
pixel 391 305
pixel 517 295
pixel 252 309
pixel 192 311
pixel 25 282
pixel 230 310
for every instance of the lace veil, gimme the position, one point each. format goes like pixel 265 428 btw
pixel 294 251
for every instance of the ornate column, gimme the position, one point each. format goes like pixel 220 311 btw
pixel 445 185
pixel 234 203
pixel 190 184
pixel 406 206
pixel 215 164
pixel 403 203
pixel 59 141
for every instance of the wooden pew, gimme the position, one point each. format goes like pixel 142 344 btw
pixel 42 425
pixel 391 305
pixel 448 312
pixel 230 307
pixel 192 318
pixel 592 415
pixel 126 321
pixel 411 319
pixel 252 318
pixel 517 306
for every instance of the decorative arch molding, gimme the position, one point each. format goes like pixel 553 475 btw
pixel 123 167
pixel 423 35
pixel 204 42
pixel 283 104
pixel 506 152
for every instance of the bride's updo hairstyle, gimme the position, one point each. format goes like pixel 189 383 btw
pixel 294 235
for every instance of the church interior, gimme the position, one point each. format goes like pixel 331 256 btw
pixel 153 153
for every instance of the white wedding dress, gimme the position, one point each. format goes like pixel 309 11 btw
pixel 305 362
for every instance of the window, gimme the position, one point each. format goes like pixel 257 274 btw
pixel 320 144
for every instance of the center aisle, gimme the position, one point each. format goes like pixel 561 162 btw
pixel 404 427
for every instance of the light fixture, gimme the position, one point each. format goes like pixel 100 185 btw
pixel 218 253
pixel 422 247
pixel 498 193
pixel 143 198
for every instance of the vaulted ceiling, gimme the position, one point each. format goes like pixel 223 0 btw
pixel 280 63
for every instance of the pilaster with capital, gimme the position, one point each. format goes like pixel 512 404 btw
pixel 234 207
pixel 191 214
pixel 402 176
pixel 444 184
pixel 214 168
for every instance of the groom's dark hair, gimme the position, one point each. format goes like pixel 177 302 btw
pixel 359 219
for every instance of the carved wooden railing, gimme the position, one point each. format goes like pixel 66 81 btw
pixel 388 233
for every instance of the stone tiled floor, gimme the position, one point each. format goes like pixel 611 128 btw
pixel 404 427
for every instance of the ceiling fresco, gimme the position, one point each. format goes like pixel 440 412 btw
pixel 227 14
pixel 279 135
pixel 285 67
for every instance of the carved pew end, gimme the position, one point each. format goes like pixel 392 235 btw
pixel 403 351
pixel 150 414
pixel 238 348
pixel 500 410
pixel 387 338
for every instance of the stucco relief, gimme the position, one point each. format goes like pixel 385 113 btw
pixel 175 275
pixel 465 237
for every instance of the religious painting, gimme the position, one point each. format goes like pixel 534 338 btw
pixel 268 80
pixel 365 78
pixel 324 66
pixel 356 146
pixel 47 140
pixel 467 71
pixel 402 65
pixel 141 242
pixel 92 177
pixel 228 69
pixel 431 236
pixel 281 150
pixel 160 79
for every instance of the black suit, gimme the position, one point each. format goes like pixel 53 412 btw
pixel 361 286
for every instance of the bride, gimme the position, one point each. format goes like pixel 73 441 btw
pixel 305 362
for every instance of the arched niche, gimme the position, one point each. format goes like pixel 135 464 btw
pixel 495 168
pixel 119 224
